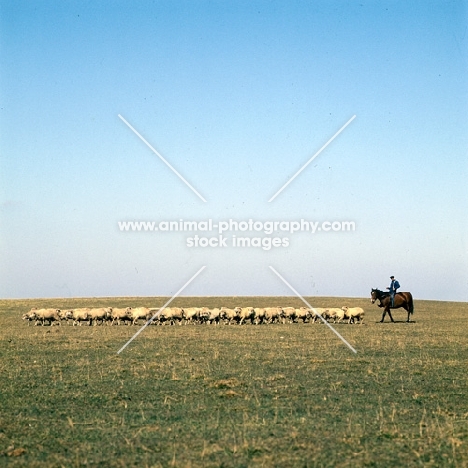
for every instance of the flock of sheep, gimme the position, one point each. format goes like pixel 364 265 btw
pixel 194 315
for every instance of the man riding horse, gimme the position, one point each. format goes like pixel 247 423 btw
pixel 393 299
pixel 394 285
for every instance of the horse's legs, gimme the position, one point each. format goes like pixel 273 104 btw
pixel 390 315
pixel 407 310
pixel 384 314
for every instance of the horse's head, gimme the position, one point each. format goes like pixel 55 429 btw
pixel 374 295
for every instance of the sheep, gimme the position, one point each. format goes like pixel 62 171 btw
pixel 140 313
pixel 336 314
pixel 30 316
pixel 229 315
pixel 165 315
pixel 215 316
pixel 79 315
pixel 273 314
pixel 288 314
pixel 191 314
pixel 208 316
pixel 119 314
pixel 319 311
pixel 99 314
pixel 244 314
pixel 303 314
pixel 41 315
pixel 63 314
pixel 171 315
pixel 354 313
pixel 204 314
pixel 177 315
pixel 259 315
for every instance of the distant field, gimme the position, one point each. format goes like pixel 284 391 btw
pixel 289 395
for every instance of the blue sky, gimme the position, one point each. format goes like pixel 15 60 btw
pixel 237 96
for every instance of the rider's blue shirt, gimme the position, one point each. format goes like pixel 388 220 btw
pixel 394 285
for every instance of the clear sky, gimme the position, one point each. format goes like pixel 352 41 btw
pixel 237 96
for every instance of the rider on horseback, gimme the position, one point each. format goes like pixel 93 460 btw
pixel 394 285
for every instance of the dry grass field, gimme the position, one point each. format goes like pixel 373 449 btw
pixel 278 395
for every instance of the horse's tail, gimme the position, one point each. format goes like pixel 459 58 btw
pixel 410 302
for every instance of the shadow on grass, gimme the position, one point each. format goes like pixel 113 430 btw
pixel 397 321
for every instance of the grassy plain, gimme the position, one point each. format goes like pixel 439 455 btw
pixel 279 395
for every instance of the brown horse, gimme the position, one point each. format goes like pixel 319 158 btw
pixel 402 299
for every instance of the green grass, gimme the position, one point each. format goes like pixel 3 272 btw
pixel 235 396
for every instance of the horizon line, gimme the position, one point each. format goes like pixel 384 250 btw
pixel 209 296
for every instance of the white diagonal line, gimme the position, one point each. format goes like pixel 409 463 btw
pixel 161 309
pixel 312 158
pixel 308 305
pixel 161 158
